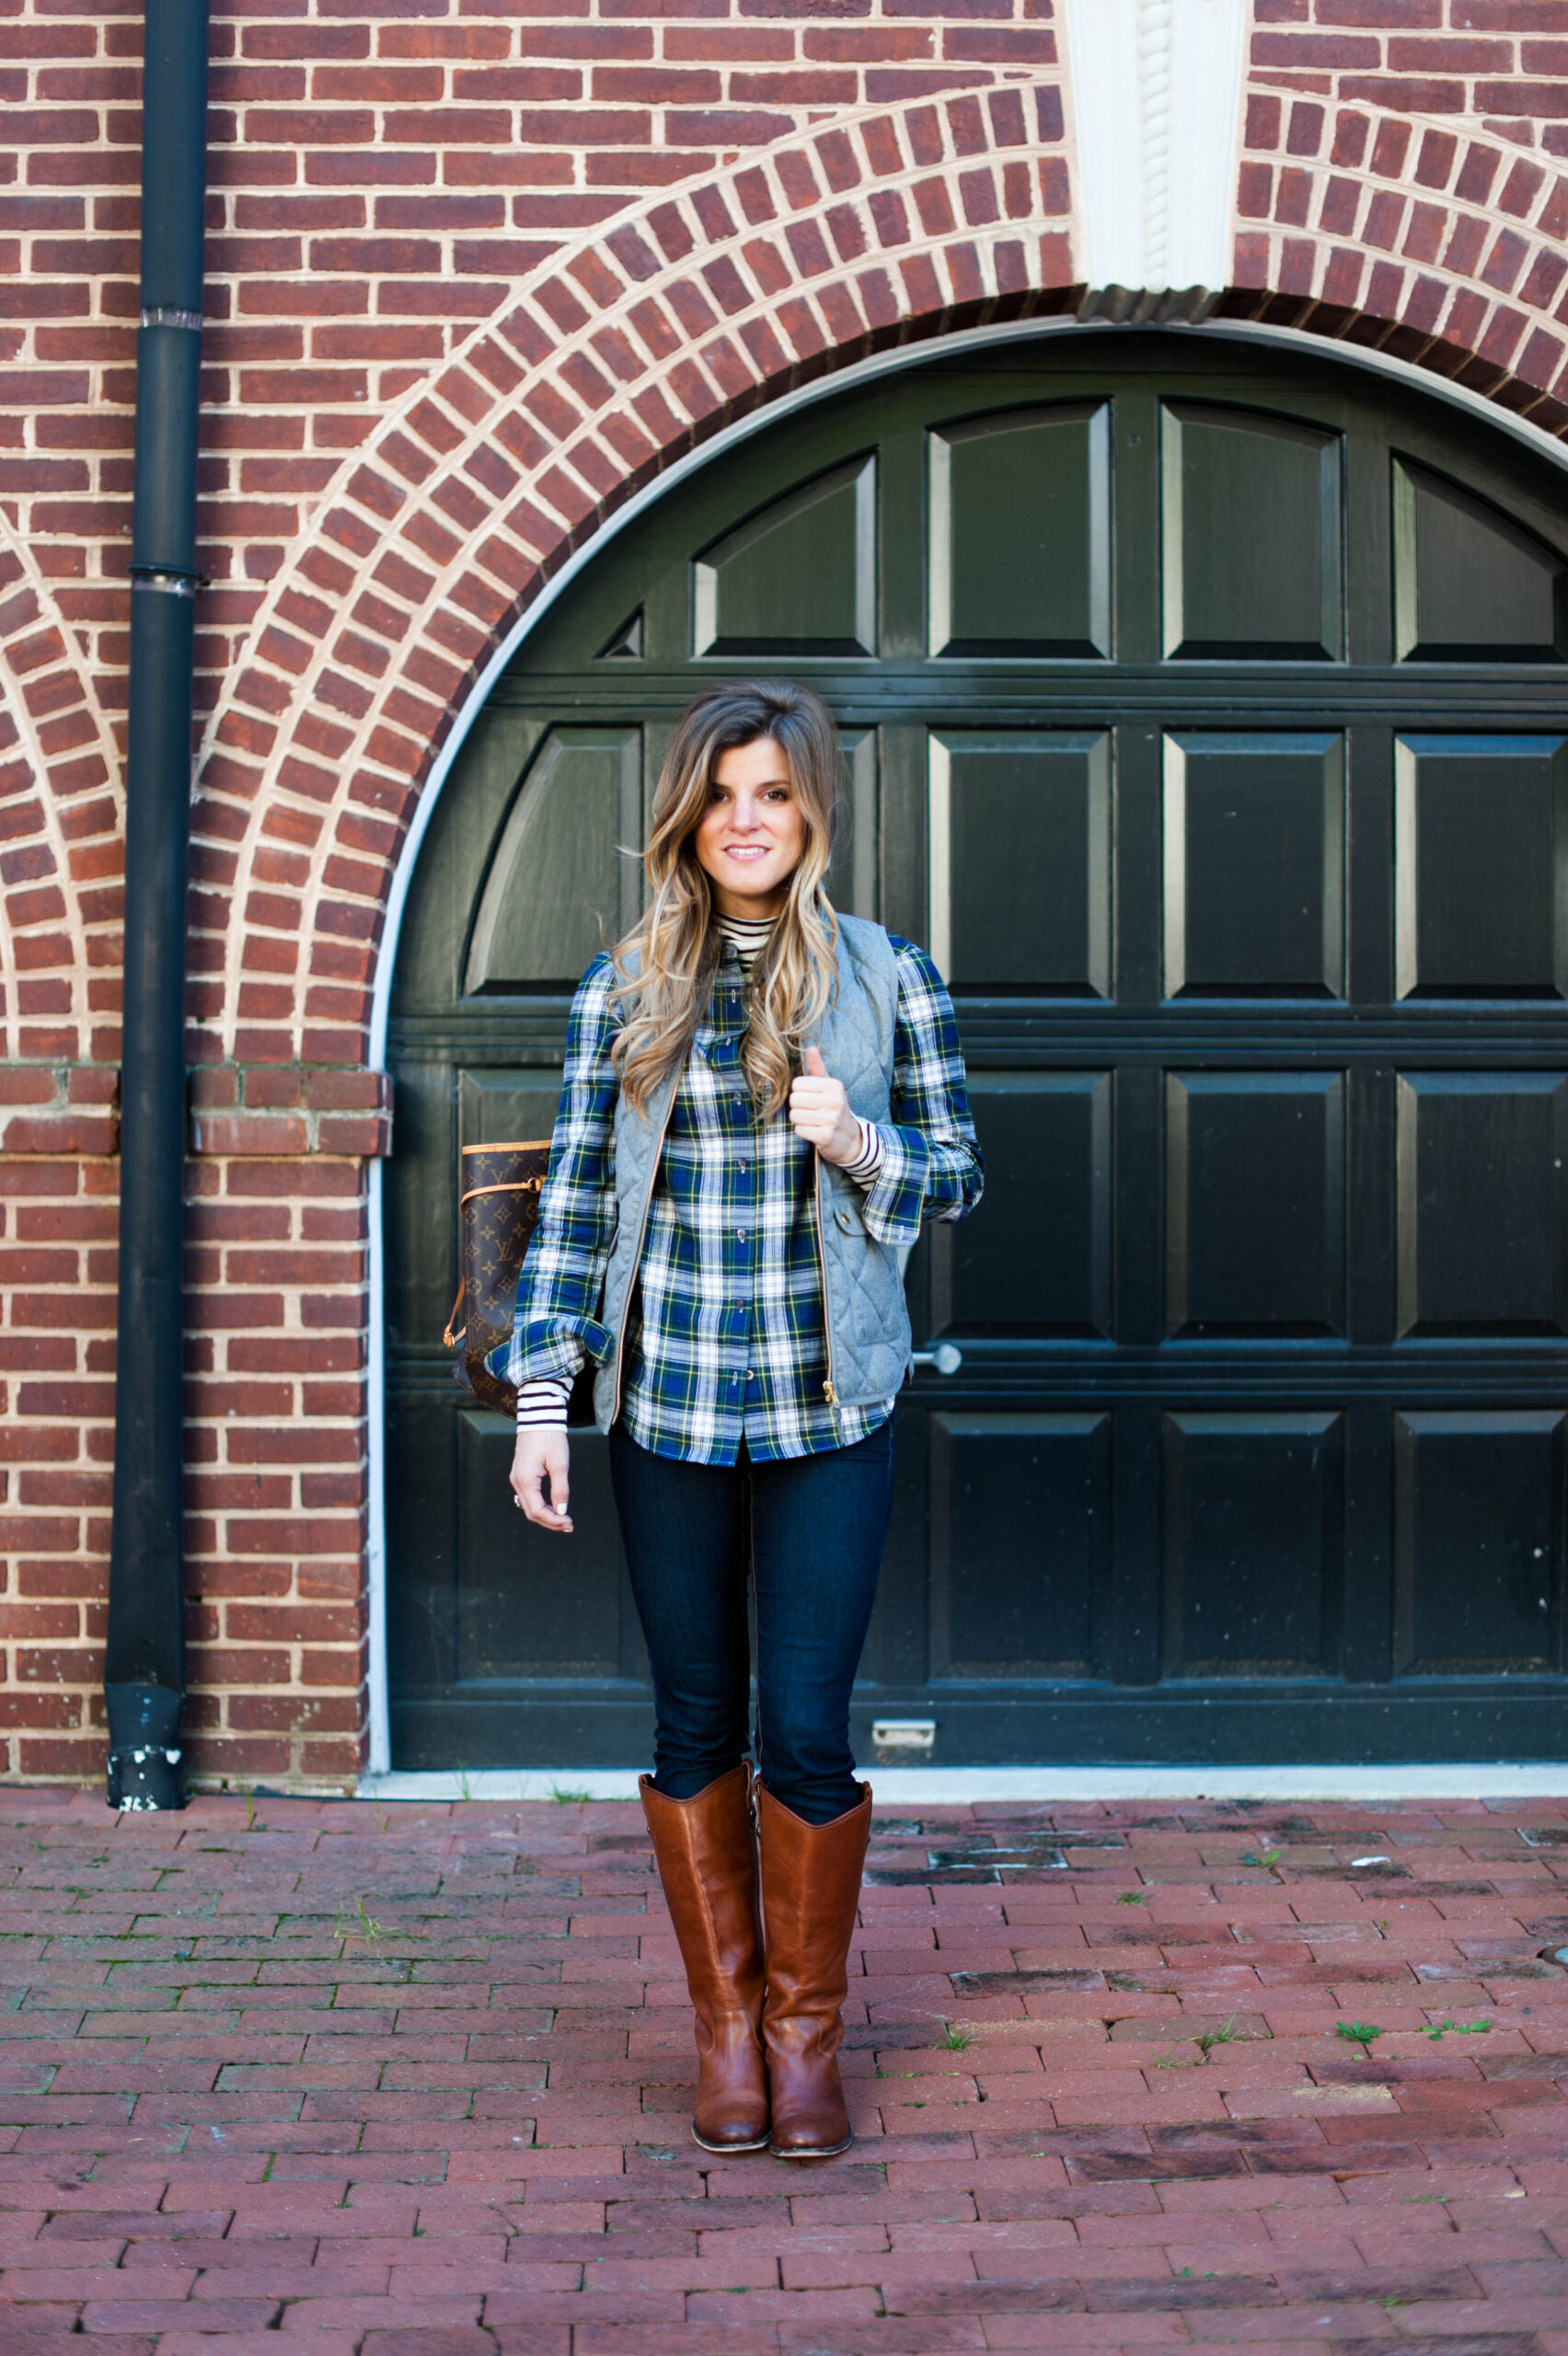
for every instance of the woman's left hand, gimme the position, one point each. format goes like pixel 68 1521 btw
pixel 819 1112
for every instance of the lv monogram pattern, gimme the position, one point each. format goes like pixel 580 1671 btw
pixel 499 1212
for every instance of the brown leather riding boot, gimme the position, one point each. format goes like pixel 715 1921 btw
pixel 810 1891
pixel 706 1851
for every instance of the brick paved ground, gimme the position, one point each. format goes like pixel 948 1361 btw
pixel 414 2081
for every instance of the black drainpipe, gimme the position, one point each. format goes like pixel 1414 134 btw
pixel 145 1663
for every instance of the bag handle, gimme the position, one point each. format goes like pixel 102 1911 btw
pixel 455 1332
pixel 507 1186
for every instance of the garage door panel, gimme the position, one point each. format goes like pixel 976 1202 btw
pixel 1255 1237
pixel 419 1204
pixel 1478 1541
pixel 1251 532
pixel 1469 583
pixel 522 1610
pixel 557 882
pixel 1035 1256
pixel 852 879
pixel 1254 833
pixel 421 1515
pixel 1020 549
pixel 1255 1545
pixel 1480 866
pixel 1481 1210
pixel 1021 861
pixel 1020 1520
pixel 507 1107
pixel 799 577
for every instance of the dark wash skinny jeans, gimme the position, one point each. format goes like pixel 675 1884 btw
pixel 812 1530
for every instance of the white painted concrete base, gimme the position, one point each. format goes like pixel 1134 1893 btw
pixel 956 1787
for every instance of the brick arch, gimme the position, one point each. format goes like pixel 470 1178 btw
pixel 60 854
pixel 1436 244
pixel 640 340
pixel 626 351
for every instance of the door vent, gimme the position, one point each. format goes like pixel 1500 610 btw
pixel 903 1737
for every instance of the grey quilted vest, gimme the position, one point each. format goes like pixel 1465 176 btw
pixel 868 1319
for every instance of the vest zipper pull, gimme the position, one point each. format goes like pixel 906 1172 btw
pixel 829 1393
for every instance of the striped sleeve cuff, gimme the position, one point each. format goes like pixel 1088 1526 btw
pixel 542 1404
pixel 869 1160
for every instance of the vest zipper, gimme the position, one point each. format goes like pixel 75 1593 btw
pixel 828 1391
pixel 641 1233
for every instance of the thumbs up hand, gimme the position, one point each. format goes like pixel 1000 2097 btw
pixel 819 1112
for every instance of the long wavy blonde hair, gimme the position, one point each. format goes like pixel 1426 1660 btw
pixel 666 964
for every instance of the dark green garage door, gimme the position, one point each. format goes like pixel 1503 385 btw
pixel 1205 717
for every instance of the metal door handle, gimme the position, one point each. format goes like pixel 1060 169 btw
pixel 947 1357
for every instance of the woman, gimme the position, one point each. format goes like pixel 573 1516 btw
pixel 762 1101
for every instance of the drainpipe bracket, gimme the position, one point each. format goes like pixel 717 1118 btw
pixel 169 579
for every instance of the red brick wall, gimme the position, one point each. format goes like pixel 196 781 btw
pixel 1399 185
pixel 381 171
pixel 1500 65
pixel 57 1233
pixel 474 274
pixel 275 1360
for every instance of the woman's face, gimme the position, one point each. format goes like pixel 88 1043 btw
pixel 751 837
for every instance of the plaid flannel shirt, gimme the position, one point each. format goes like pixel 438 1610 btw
pixel 726 1346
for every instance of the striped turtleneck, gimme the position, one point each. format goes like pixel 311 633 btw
pixel 545 1402
pixel 748 934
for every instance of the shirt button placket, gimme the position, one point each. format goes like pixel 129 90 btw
pixel 737 1116
pixel 750 1176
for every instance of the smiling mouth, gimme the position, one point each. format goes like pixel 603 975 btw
pixel 747 851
